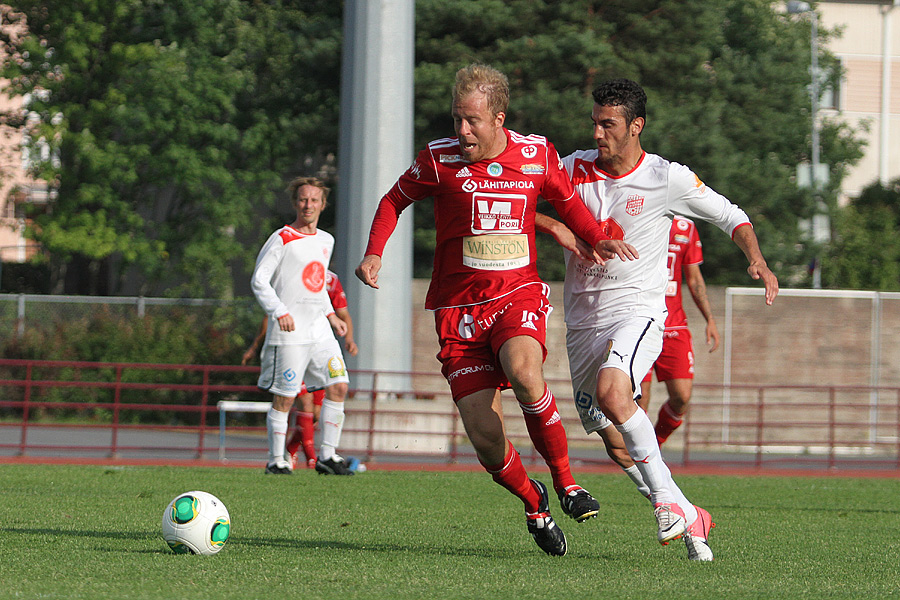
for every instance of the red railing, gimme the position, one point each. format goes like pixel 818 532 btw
pixel 409 416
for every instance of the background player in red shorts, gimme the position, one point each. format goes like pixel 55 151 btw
pixel 489 304
pixel 675 365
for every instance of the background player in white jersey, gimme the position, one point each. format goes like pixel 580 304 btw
pixel 289 283
pixel 675 365
pixel 615 312
pixel 489 304
pixel 310 401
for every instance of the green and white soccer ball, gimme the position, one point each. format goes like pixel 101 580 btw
pixel 196 523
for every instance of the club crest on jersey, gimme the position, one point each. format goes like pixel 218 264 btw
pixel 314 276
pixel 634 205
pixel 532 169
pixel 529 151
pixel 494 170
pixel 682 224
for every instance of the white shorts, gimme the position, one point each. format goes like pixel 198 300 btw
pixel 285 368
pixel 630 345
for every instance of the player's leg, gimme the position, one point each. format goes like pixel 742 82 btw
pixel 279 375
pixel 646 384
pixel 327 370
pixel 671 414
pixel 615 448
pixel 304 432
pixel 482 417
pixel 675 367
pixel 518 339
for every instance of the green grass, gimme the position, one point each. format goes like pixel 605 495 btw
pixel 94 532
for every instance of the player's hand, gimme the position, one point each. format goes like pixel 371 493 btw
pixel 712 335
pixel 286 322
pixel 352 348
pixel 337 324
pixel 571 242
pixel 368 269
pixel 608 249
pixel 762 271
pixel 248 356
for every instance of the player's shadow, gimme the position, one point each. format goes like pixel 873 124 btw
pixel 491 552
pixel 99 535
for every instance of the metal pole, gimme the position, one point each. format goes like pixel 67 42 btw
pixel 818 225
pixel 375 148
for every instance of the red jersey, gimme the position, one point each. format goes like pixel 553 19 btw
pixel 684 249
pixel 484 216
pixel 335 290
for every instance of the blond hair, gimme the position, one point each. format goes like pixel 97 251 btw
pixel 299 182
pixel 487 80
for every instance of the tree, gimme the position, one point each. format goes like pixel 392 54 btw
pixel 171 122
pixel 865 252
pixel 726 81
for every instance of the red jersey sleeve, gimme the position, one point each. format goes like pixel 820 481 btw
pixel 335 290
pixel 693 254
pixel 559 191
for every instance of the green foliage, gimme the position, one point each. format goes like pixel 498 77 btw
pixel 728 95
pixel 171 124
pixel 97 530
pixel 865 252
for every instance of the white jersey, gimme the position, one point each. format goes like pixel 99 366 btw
pixel 289 278
pixel 637 207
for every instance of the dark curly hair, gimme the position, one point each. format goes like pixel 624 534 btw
pixel 625 93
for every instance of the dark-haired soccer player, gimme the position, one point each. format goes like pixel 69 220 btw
pixel 615 312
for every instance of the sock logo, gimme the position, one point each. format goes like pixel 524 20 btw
pixel 553 420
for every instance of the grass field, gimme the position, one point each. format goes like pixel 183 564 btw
pixel 94 532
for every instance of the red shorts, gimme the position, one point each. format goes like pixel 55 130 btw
pixel 471 337
pixel 318 395
pixel 676 361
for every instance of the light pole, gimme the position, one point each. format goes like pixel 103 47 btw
pixel 818 173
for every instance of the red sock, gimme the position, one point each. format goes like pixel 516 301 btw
pixel 513 477
pixel 549 438
pixel 303 436
pixel 667 422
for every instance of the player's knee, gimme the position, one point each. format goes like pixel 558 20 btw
pixel 336 392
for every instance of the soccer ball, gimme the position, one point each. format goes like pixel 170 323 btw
pixel 196 523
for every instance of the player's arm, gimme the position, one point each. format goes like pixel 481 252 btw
pixel 745 238
pixel 565 238
pixel 260 283
pixel 339 327
pixel 254 346
pixel 383 224
pixel 349 342
pixel 693 278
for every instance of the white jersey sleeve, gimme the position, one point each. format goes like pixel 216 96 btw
pixel 690 197
pixel 267 262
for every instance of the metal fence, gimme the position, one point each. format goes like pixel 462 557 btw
pixel 130 411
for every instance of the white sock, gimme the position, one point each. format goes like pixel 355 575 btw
pixel 690 512
pixel 276 428
pixel 640 439
pixel 634 473
pixel 332 422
